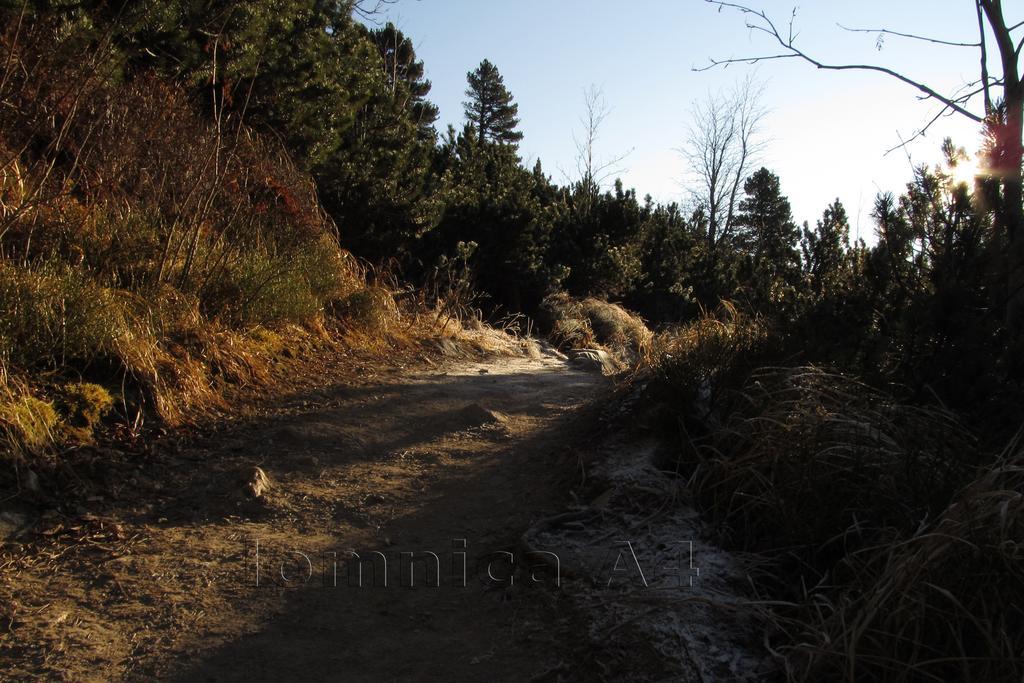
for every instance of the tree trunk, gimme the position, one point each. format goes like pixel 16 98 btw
pixel 1010 139
pixel 1013 208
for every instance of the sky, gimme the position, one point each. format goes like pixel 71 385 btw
pixel 827 132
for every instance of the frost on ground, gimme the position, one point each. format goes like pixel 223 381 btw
pixel 649 575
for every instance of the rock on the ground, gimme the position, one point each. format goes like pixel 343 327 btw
pixel 12 525
pixel 475 415
pixel 548 350
pixel 256 482
pixel 593 360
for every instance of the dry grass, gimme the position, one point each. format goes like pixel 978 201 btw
pixel 617 328
pixel 573 333
pixel 144 248
pixel 592 322
pixel 821 464
pixel 55 318
pixel 874 561
pixel 945 604
pixel 371 308
pixel 709 356
pixel 52 314
pixel 488 341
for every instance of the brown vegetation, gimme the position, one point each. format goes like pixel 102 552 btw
pixel 874 562
pixel 150 255
pixel 591 322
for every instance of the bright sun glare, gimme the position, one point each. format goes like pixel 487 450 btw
pixel 965 171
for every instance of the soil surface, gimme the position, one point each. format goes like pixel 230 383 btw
pixel 174 570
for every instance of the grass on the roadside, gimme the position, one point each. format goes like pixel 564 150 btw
pixel 591 322
pixel 874 560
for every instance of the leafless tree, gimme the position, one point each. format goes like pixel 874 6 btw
pixel 369 10
pixel 722 144
pixel 1003 117
pixel 592 171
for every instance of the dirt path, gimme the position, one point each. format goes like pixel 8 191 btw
pixel 477 452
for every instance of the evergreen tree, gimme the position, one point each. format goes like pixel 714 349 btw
pixel 492 201
pixel 668 250
pixel 825 250
pixel 598 241
pixel 837 309
pixel 490 109
pixel 401 67
pixel 767 236
pixel 378 183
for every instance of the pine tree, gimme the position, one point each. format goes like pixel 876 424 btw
pixel 825 250
pixel 768 237
pixel 489 108
pixel 402 68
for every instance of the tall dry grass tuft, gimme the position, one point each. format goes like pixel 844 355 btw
pixel 944 604
pixel 712 354
pixel 821 465
pixel 592 322
pixel 874 561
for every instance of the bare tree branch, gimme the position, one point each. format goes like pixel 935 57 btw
pixel 912 36
pixel 369 9
pixel 759 21
pixel 945 111
pixel 922 132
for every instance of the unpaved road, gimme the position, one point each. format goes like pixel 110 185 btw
pixel 410 463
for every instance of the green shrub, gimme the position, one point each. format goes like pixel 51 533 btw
pixel 83 406
pixel 371 308
pixel 55 314
pixel 266 286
